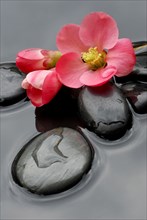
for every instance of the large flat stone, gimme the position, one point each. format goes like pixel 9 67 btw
pixel 52 162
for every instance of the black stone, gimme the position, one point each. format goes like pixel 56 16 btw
pixel 139 43
pixel 11 79
pixel 137 96
pixel 140 47
pixel 140 70
pixel 52 162
pixel 105 111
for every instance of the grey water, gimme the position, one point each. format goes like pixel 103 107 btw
pixel 115 187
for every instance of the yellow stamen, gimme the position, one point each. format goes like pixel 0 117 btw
pixel 94 59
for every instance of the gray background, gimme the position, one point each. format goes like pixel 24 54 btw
pixel 27 23
pixel 118 187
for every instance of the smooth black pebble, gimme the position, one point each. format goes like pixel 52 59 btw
pixel 137 96
pixel 105 111
pixel 139 46
pixel 11 79
pixel 53 161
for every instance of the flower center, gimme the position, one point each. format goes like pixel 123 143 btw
pixel 94 59
pixel 51 58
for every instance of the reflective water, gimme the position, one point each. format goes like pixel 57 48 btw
pixel 116 186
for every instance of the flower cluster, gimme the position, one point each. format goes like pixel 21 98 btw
pixel 89 54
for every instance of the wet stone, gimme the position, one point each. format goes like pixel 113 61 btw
pixel 104 110
pixel 11 79
pixel 52 162
pixel 137 96
pixel 140 47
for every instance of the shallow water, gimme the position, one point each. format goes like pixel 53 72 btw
pixel 115 186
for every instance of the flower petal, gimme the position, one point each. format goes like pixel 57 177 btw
pixel 68 39
pixel 25 84
pixel 122 56
pixel 50 87
pixel 35 95
pixel 99 29
pixel 36 78
pixel 69 68
pixel 27 66
pixel 31 54
pixel 31 59
pixel 98 77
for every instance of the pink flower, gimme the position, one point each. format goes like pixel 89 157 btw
pixel 41 86
pixel 92 52
pixel 32 59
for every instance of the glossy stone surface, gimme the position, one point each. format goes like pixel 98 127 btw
pixel 11 78
pixel 105 111
pixel 137 96
pixel 52 162
pixel 140 47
